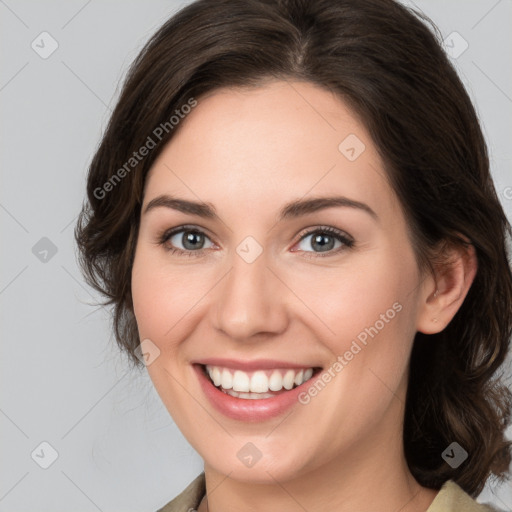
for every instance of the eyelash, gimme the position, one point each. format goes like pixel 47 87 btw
pixel 347 242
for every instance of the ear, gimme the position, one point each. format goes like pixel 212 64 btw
pixel 443 293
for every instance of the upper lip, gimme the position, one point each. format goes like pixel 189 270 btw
pixel 254 364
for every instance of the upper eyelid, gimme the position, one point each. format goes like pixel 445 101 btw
pixel 173 231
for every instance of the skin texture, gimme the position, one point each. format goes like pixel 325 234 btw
pixel 248 153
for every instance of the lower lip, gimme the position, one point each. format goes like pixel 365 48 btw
pixel 246 409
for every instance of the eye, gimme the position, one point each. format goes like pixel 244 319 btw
pixel 323 240
pixel 190 241
pixel 185 240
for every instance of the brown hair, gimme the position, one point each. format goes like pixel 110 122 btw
pixel 384 61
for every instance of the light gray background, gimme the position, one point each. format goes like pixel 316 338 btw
pixel 63 380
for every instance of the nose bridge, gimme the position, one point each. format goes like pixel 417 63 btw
pixel 250 299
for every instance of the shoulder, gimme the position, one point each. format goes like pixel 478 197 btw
pixel 188 500
pixel 452 498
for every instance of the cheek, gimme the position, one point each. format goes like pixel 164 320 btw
pixel 163 296
pixel 163 300
pixel 348 299
pixel 147 292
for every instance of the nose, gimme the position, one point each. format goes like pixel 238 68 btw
pixel 251 300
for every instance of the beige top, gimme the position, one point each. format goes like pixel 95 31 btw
pixel 451 498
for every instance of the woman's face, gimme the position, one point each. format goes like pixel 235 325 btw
pixel 259 292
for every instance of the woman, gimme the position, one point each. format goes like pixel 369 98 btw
pixel 292 213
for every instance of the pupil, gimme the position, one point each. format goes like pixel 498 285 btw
pixel 318 240
pixel 191 238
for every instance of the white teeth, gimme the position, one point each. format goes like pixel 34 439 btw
pixel 257 384
pixel 276 381
pixel 216 376
pixel 289 379
pixel 227 379
pixel 241 381
pixel 248 396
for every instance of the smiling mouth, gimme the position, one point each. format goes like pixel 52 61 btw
pixel 259 384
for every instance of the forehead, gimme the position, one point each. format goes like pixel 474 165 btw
pixel 258 146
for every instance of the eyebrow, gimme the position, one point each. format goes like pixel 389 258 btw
pixel 293 209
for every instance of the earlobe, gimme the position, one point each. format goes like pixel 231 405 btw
pixel 444 293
